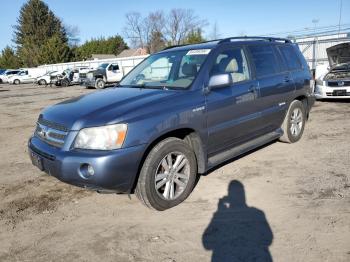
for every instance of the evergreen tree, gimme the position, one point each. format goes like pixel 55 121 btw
pixel 194 37
pixel 36 25
pixel 54 51
pixel 9 59
pixel 111 45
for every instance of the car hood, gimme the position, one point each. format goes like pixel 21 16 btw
pixel 338 54
pixel 108 106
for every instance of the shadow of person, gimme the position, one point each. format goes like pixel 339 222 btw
pixel 238 232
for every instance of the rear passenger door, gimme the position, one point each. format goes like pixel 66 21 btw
pixel 231 114
pixel 275 85
pixel 293 64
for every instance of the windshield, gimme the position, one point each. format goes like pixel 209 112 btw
pixel 175 69
pixel 103 66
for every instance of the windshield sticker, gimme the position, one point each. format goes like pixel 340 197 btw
pixel 198 52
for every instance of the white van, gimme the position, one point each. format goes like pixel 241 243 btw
pixel 26 76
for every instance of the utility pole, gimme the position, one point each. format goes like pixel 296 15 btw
pixel 340 11
pixel 314 49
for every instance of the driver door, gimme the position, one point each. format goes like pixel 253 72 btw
pixel 114 74
pixel 232 115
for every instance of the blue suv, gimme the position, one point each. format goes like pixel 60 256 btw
pixel 177 114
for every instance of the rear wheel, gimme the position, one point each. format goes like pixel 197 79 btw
pixel 100 84
pixel 294 122
pixel 168 174
pixel 16 82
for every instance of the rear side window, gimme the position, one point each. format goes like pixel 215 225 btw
pixel 290 57
pixel 264 60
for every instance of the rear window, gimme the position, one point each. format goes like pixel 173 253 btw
pixel 264 60
pixel 290 57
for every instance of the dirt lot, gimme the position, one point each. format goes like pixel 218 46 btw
pixel 288 202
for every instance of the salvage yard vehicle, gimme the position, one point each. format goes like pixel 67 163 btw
pixel 336 82
pixel 26 76
pixel 105 74
pixel 46 78
pixel 178 114
pixel 5 76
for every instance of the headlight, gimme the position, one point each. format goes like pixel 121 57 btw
pixel 102 137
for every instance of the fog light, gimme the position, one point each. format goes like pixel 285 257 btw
pixel 86 170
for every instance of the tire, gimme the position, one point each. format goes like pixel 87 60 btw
pixel 64 83
pixel 100 84
pixel 16 82
pixel 153 166
pixel 42 82
pixel 294 122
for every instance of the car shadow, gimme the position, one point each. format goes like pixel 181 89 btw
pixel 238 232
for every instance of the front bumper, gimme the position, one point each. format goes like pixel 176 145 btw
pixel 115 170
pixel 323 91
pixel 89 82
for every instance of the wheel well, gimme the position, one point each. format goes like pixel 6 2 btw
pixel 303 99
pixel 190 137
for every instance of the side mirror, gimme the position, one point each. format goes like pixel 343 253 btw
pixel 218 81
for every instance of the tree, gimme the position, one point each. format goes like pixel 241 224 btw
pixel 180 22
pixel 54 51
pixel 214 34
pixel 157 30
pixel 135 29
pixel 157 42
pixel 9 59
pixel 36 25
pixel 111 45
pixel 194 37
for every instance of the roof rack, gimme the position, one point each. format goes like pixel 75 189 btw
pixel 205 42
pixel 246 38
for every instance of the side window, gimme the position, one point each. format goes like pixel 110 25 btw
pixel 234 62
pixel 290 57
pixel 264 60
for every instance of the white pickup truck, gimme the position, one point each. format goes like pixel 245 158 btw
pixel 105 74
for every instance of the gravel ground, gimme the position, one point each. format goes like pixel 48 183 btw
pixel 285 202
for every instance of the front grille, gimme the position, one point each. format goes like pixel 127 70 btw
pixel 82 75
pixel 51 133
pixel 338 83
pixel 338 94
pixel 53 125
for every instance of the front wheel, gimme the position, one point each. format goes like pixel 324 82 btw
pixel 16 82
pixel 294 122
pixel 42 82
pixel 168 174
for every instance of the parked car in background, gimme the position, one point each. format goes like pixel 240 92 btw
pixel 177 114
pixel 105 74
pixel 25 76
pixel 46 79
pixel 5 76
pixel 2 71
pixel 335 82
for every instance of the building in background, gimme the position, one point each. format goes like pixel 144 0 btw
pixel 314 47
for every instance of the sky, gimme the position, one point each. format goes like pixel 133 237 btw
pixel 233 17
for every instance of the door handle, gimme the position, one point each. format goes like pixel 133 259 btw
pixel 252 88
